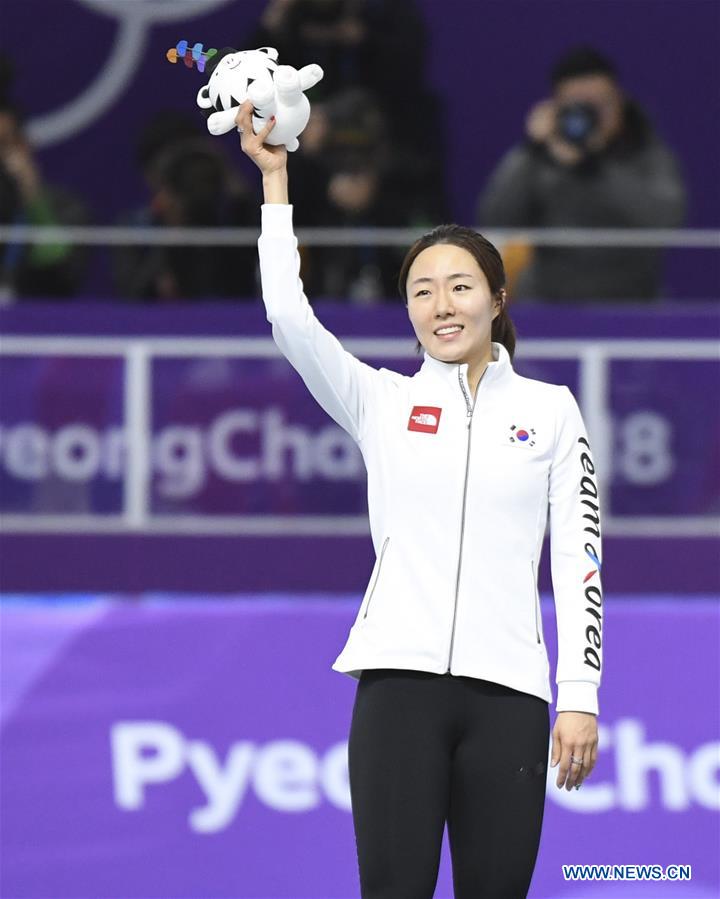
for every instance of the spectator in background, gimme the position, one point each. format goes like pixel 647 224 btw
pixel 191 184
pixel 42 269
pixel 590 159
pixel 354 186
pixel 311 169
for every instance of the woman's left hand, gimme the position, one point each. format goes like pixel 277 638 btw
pixel 575 734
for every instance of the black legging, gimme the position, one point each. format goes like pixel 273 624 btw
pixel 425 748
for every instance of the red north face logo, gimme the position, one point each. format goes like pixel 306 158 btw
pixel 425 418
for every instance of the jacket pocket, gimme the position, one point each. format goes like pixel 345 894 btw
pixel 377 575
pixel 536 602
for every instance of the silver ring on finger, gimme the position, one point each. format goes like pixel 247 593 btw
pixel 575 761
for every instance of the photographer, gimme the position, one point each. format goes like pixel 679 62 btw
pixel 590 159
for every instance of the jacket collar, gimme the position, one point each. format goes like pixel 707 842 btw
pixel 498 369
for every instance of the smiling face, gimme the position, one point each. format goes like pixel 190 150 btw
pixel 234 73
pixel 446 286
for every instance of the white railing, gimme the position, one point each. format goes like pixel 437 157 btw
pixel 110 235
pixel 593 356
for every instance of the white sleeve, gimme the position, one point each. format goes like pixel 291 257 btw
pixel 342 384
pixel 575 561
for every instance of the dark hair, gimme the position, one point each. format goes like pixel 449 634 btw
pixel 580 61
pixel 7 76
pixel 490 263
pixel 163 131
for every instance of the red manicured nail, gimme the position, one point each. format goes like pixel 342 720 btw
pixel 272 118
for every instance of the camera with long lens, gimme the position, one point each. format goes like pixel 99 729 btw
pixel 576 122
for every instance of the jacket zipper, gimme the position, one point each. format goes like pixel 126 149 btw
pixel 470 409
pixel 377 576
pixel 535 601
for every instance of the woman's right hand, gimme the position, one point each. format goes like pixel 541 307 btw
pixel 266 157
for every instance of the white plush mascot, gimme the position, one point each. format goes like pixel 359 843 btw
pixel 239 75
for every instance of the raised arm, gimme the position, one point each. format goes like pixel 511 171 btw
pixel 343 385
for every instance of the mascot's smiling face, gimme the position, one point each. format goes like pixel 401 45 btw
pixel 233 72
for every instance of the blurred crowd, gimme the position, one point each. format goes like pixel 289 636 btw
pixel 372 154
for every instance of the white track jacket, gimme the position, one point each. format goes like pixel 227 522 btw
pixel 459 491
